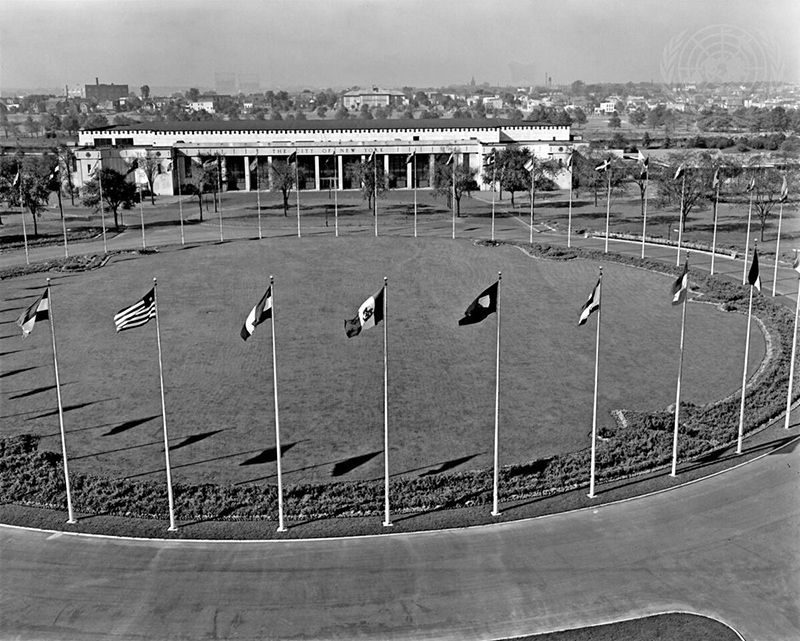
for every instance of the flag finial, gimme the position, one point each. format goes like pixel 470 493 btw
pixel 270 279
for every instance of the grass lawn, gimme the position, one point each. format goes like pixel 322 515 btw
pixel 441 376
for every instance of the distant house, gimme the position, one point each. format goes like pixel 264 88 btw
pixel 372 98
pixel 103 93
pixel 202 104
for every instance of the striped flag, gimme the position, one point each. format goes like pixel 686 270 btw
pixel 137 314
pixel 680 171
pixel 591 305
pixel 40 310
pixel 715 180
pixel 796 262
pixel 605 165
pixel 292 158
pixel 410 157
pixel 680 287
pixel 529 164
pixel 784 191
pixel 369 314
pixel 261 312
pixel 751 185
pixel 254 164
pixel 481 307
pixel 753 276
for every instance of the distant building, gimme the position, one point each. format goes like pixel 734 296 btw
pixel 202 104
pixel 103 92
pixel 372 98
pixel 327 150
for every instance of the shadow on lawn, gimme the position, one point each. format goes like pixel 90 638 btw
pixel 270 454
pixel 35 390
pixel 127 425
pixel 20 370
pixel 13 351
pixel 69 408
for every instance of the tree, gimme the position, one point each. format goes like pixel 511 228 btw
pixel 586 176
pixel 579 116
pixel 614 122
pixel 541 174
pixel 202 181
pixel 766 194
pixel 510 172
pixel 32 188
pixel 636 118
pixel 144 91
pixel 150 165
pixel 692 191
pixel 283 179
pixel 117 192
pixel 646 142
pixel 366 174
pixel 443 177
pixel 193 94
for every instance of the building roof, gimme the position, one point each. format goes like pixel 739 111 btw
pixel 334 125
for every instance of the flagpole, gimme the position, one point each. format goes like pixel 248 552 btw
pixel 102 206
pixel 180 200
pixel 495 492
pixel 569 212
pixel 336 195
pixel 794 354
pixel 744 371
pixel 453 181
pixel 594 405
pixel 414 183
pixel 494 160
pixel 278 452
pixel 386 520
pixel 680 374
pixel 530 231
pixel 219 188
pixel 747 238
pixel 644 213
pixel 172 526
pixel 714 235
pixel 375 190
pixel 680 221
pixel 777 250
pixel 71 515
pixel 608 204
pixel 141 213
pixel 297 191
pixel 258 199
pixel 22 216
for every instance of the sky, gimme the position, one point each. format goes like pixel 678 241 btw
pixel 392 43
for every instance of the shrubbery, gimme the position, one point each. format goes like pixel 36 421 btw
pixel 643 441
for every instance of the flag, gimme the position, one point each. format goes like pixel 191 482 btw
pixel 372 157
pixel 680 171
pixel 369 314
pixel 715 180
pixel 292 158
pixel 606 164
pixel 529 164
pixel 261 312
pixel 570 160
pixel 681 286
pixel 590 305
pixel 489 160
pixel 642 158
pixel 254 164
pixel 796 262
pixel 133 166
pixel 645 160
pixel 16 179
pixel 481 307
pixel 36 312
pixel 784 191
pixel 54 174
pixel 138 313
pixel 751 185
pixel 753 277
pixel 410 157
pixel 451 159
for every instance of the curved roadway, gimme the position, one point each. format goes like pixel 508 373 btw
pixel 726 547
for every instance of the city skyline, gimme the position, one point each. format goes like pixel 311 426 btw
pixel 281 44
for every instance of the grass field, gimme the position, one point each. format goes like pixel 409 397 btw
pixel 441 376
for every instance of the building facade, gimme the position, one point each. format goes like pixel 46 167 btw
pixel 105 93
pixel 326 150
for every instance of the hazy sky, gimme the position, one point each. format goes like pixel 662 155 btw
pixel 336 43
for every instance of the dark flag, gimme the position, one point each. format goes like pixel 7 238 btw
pixel 481 307
pixel 369 314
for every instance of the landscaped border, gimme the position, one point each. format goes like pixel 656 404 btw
pixel 33 478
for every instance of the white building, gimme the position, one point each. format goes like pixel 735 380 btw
pixel 325 149
pixel 202 104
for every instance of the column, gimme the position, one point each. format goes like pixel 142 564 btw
pixel 340 174
pixel 386 168
pixel 269 173
pixel 410 173
pixel 223 173
pixel 431 168
pixel 247 173
pixel 317 180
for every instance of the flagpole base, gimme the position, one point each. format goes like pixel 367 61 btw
pixel 673 474
pixel 281 529
pixel 72 521
pixel 387 524
pixel 496 513
pixel 172 528
pixel 590 495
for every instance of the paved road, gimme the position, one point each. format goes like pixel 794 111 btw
pixel 726 547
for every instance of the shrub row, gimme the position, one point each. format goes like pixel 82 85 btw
pixel 640 442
